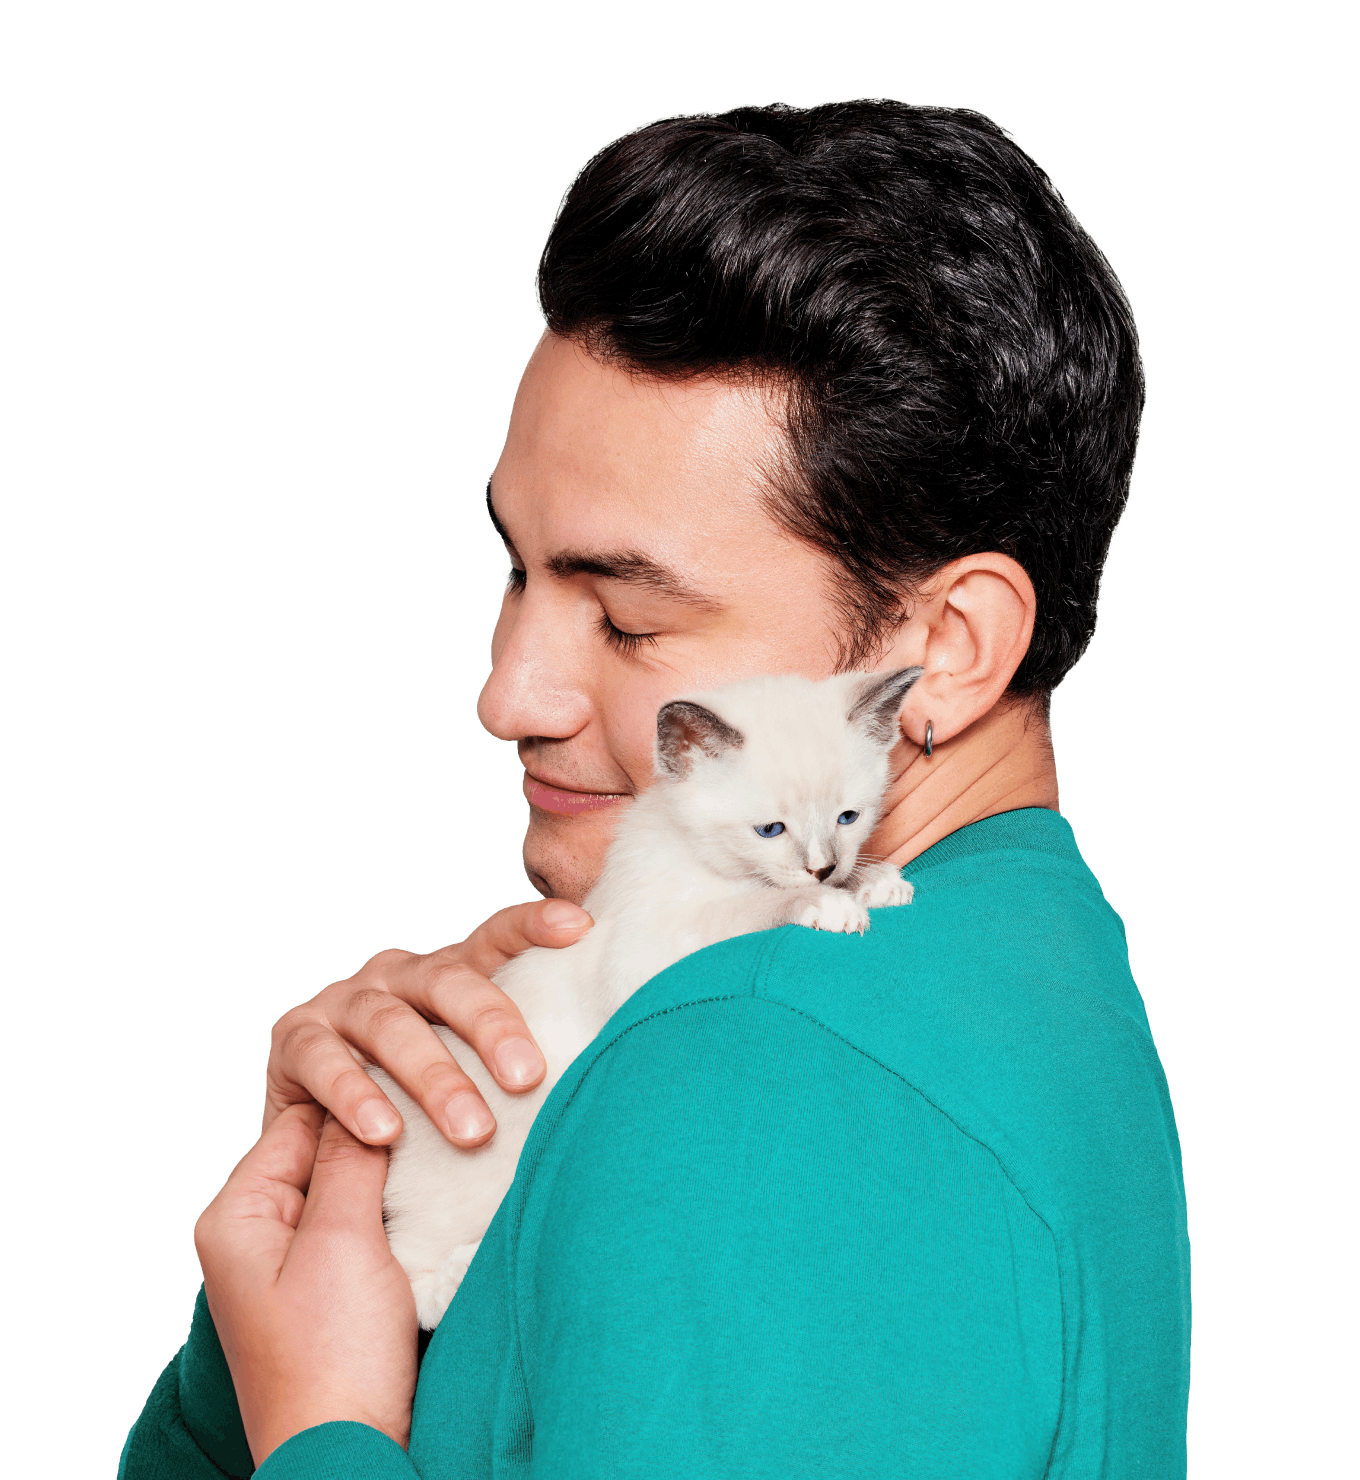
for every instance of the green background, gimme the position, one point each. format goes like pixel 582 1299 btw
pixel 267 295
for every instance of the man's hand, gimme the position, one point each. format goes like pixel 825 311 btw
pixel 314 1314
pixel 385 1011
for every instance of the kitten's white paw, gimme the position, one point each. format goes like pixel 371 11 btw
pixel 884 887
pixel 434 1291
pixel 837 909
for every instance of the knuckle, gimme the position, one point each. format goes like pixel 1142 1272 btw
pixel 440 1078
pixel 287 1023
pixel 451 954
pixel 488 1017
pixel 340 1153
pixel 205 1233
pixel 447 976
pixel 382 1012
pixel 307 1042
pixel 385 961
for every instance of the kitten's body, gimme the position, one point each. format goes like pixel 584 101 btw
pixel 687 869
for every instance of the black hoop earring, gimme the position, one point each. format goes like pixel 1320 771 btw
pixel 930 737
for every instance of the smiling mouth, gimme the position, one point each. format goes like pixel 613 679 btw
pixel 568 803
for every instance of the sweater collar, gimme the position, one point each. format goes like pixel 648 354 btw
pixel 1026 830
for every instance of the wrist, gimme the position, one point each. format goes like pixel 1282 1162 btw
pixel 284 1422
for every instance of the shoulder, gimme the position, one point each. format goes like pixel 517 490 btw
pixel 735 1211
pixel 749 1113
pixel 997 1008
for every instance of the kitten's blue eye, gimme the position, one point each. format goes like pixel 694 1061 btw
pixel 848 817
pixel 770 830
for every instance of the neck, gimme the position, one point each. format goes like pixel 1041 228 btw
pixel 999 763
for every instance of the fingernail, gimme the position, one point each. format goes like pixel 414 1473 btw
pixel 375 1121
pixel 468 1119
pixel 559 914
pixel 518 1062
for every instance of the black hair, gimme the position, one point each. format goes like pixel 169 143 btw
pixel 960 365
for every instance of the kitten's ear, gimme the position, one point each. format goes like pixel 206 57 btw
pixel 879 702
pixel 682 728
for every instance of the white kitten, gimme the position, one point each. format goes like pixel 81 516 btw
pixel 764 794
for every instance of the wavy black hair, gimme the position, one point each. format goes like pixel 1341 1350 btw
pixel 960 365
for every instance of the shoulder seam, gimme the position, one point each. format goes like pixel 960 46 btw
pixel 901 1078
pixel 816 1023
pixel 759 969
pixel 1005 1171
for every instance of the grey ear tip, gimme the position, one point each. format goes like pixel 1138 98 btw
pixel 881 695
pixel 683 723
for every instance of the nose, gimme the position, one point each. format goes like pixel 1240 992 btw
pixel 533 690
pixel 821 873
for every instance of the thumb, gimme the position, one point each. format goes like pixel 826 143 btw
pixel 346 1187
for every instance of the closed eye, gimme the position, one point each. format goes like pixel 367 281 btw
pixel 621 641
pixel 848 817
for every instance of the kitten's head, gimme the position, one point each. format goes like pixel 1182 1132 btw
pixel 780 779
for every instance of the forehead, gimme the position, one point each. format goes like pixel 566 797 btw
pixel 598 456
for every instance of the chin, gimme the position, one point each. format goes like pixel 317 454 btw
pixel 563 856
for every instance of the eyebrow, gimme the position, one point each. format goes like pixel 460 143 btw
pixel 630 566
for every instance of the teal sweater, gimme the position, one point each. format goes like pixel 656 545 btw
pixel 816 1205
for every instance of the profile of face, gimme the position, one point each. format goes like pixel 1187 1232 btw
pixel 644 565
pixel 943 466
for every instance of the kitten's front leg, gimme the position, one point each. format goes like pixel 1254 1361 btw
pixel 833 909
pixel 882 886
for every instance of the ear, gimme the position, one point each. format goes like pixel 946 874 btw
pixel 970 631
pixel 879 702
pixel 682 728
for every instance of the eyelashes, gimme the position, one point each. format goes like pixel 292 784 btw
pixel 627 643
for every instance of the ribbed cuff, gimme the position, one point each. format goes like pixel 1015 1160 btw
pixel 338 1451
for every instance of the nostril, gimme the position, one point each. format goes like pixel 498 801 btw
pixel 820 873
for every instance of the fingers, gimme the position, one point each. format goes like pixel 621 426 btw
pixel 310 1063
pixel 546 922
pixel 458 990
pixel 346 1187
pixel 286 1151
pixel 483 1016
pixel 267 1185
pixel 392 1034
pixel 385 1011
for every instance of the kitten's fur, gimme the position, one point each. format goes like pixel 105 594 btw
pixel 686 869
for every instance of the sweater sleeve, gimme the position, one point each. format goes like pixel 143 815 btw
pixel 746 1249
pixel 191 1425
pixel 191 1429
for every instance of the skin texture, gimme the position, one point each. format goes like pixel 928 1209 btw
pixel 635 514
pixel 315 1316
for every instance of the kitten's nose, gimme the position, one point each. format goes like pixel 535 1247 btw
pixel 820 873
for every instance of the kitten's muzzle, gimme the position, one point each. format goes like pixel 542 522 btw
pixel 820 874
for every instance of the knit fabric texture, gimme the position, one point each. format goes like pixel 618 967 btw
pixel 904 1204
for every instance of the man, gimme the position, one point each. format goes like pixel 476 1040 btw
pixel 826 389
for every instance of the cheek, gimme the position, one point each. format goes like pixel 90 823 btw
pixel 628 720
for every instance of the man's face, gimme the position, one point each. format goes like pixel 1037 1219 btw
pixel 644 566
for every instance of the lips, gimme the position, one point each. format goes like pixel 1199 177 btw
pixel 568 803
